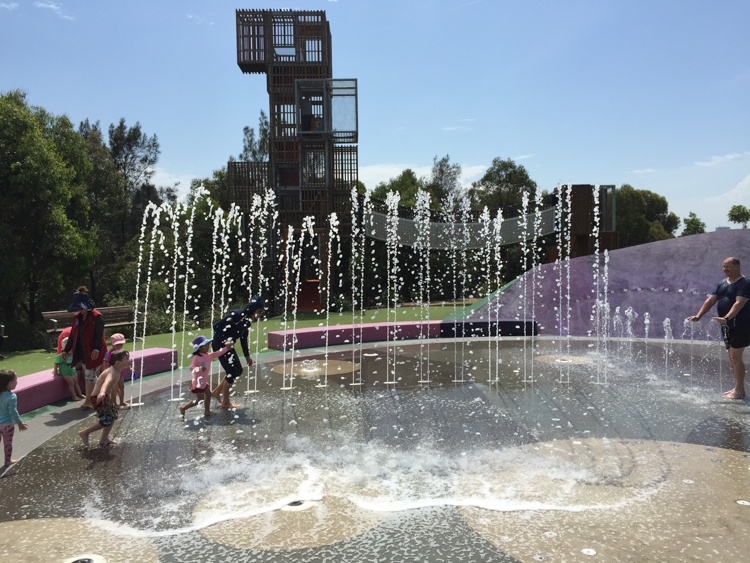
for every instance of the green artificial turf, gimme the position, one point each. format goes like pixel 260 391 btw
pixel 32 361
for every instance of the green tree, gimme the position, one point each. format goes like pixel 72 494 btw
pixel 502 186
pixel 216 186
pixel 405 184
pixel 739 214
pixel 42 168
pixel 643 216
pixel 134 154
pixel 255 150
pixel 693 225
pixel 657 209
pixel 444 182
pixel 107 203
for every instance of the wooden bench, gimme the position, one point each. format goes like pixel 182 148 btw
pixel 57 321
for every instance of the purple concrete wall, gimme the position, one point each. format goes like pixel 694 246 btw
pixel 342 334
pixel 667 279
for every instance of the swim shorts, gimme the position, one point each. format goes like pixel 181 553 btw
pixel 106 411
pixel 230 361
pixel 735 337
pixel 199 390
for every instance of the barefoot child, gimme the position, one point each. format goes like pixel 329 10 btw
pixel 101 401
pixel 117 341
pixel 65 369
pixel 9 416
pixel 200 368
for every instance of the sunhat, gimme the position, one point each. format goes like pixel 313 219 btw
pixel 254 304
pixel 199 341
pixel 81 302
pixel 116 339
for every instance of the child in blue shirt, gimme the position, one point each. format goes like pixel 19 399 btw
pixel 9 416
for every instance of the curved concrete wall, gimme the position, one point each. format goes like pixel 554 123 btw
pixel 667 279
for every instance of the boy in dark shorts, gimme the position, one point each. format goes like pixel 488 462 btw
pixel 101 398
pixel 235 326
pixel 731 296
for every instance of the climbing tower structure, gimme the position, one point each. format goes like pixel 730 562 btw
pixel 312 161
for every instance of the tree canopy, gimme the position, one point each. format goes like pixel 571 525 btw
pixel 693 225
pixel 643 216
pixel 43 166
pixel 255 149
pixel 739 214
pixel 502 185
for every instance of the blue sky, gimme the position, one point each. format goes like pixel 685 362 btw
pixel 651 93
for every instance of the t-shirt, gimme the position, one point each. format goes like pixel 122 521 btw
pixel 65 367
pixel 201 365
pixel 234 326
pixel 728 294
pixel 9 408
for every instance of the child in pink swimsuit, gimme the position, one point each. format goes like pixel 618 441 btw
pixel 200 368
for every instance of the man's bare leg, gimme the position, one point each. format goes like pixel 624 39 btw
pixel 216 393
pixel 87 402
pixel 738 369
pixel 226 403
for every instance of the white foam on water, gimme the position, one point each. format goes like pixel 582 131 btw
pixel 233 485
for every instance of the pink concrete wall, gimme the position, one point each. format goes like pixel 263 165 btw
pixel 42 388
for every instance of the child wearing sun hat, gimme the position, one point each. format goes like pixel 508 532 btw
pixel 200 368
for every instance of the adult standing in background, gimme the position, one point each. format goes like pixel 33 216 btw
pixel 731 296
pixel 86 340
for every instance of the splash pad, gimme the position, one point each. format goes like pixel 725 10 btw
pixel 520 448
pixel 506 470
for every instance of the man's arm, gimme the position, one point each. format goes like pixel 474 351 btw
pixel 243 340
pixel 739 303
pixel 707 304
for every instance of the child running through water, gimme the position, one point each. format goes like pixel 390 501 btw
pixel 117 341
pixel 65 369
pixel 200 368
pixel 101 398
pixel 9 416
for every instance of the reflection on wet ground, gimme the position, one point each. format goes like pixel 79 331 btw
pixel 437 471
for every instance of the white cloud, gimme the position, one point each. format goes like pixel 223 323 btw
pixel 11 6
pixel 643 171
pixel 164 179
pixel 716 160
pixel 713 209
pixel 523 156
pixel 198 20
pixel 55 7
pixel 455 128
pixel 741 192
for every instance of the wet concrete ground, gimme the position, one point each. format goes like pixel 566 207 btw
pixel 521 468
